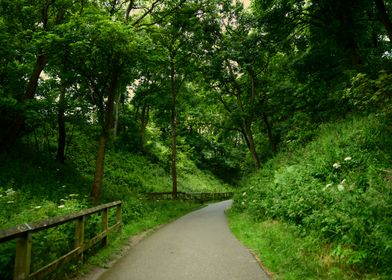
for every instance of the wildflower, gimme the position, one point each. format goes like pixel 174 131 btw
pixel 63 199
pixel 242 203
pixel 244 193
pixel 327 186
pixel 63 186
pixel 38 207
pixel 10 192
pixel 341 185
pixel 61 206
pixel 336 165
pixel 10 201
pixel 347 158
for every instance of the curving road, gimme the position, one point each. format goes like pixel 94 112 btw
pixel 197 246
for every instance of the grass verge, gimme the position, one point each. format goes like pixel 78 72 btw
pixel 285 254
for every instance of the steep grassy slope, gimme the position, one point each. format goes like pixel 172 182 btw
pixel 328 204
pixel 34 187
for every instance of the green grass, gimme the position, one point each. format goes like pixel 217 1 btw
pixel 334 192
pixel 34 187
pixel 288 255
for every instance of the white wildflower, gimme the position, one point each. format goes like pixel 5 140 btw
pixel 61 206
pixel 327 186
pixel 63 199
pixel 10 192
pixel 38 207
pixel 336 165
pixel 341 185
pixel 63 186
pixel 347 158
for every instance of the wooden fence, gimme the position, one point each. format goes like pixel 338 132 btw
pixel 195 196
pixel 23 235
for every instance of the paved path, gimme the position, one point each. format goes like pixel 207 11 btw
pixel 197 246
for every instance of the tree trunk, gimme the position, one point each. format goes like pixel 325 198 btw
pixel 116 115
pixel 129 9
pixel 103 140
pixel 99 167
pixel 143 124
pixel 61 124
pixel 252 147
pixel 269 132
pixel 173 129
pixel 384 17
pixel 14 129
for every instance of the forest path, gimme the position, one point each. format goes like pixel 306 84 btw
pixel 199 246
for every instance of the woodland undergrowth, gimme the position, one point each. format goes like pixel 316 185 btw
pixel 322 210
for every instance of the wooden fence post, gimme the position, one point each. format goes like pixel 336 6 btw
pixel 79 236
pixel 119 215
pixel 23 257
pixel 105 226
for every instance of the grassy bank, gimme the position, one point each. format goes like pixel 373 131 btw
pixel 34 187
pixel 324 207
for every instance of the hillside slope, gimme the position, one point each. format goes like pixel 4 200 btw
pixel 329 199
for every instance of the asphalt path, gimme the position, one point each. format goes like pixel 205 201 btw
pixel 197 246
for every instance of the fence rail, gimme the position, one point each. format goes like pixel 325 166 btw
pixel 23 235
pixel 196 196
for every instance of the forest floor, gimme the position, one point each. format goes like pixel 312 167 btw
pixel 197 246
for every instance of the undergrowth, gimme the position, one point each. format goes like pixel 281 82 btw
pixel 34 187
pixel 335 190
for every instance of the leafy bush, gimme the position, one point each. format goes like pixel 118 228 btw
pixel 337 188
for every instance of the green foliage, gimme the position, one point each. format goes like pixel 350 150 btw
pixel 336 189
pixel 370 94
pixel 283 251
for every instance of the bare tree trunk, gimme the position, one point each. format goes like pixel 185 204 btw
pixel 61 124
pixel 103 140
pixel 173 129
pixel 14 129
pixel 384 17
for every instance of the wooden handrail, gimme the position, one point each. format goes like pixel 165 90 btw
pixel 23 235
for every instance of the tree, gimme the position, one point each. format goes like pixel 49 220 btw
pixel 31 23
pixel 179 37
pixel 103 53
